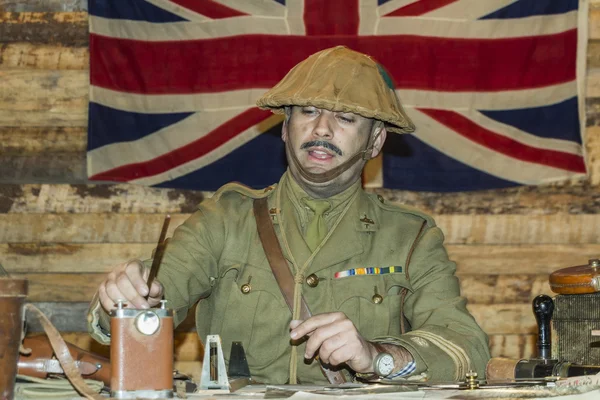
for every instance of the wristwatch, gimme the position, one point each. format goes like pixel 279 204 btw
pixel 383 364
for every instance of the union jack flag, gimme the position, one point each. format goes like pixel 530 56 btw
pixel 495 87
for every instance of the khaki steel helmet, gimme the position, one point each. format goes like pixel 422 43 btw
pixel 343 80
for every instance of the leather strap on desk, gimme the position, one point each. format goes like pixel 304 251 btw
pixel 282 272
pixel 64 356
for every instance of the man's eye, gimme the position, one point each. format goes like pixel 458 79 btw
pixel 308 111
pixel 347 120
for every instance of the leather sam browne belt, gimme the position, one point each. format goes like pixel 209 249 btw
pixel 282 272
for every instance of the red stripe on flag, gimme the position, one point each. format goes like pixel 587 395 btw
pixel 331 17
pixel 419 8
pixel 260 61
pixel 209 8
pixel 189 152
pixel 507 146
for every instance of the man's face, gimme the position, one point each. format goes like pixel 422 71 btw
pixel 322 140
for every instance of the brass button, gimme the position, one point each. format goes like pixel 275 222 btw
pixel 377 298
pixel 312 280
pixel 380 198
pixel 246 288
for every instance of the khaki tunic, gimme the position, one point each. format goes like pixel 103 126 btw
pixel 217 250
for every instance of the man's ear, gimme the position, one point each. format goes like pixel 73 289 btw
pixel 380 135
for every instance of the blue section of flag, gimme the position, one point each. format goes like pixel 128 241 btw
pixel 528 8
pixel 258 164
pixel 136 10
pixel 548 121
pixel 282 2
pixel 410 164
pixel 109 125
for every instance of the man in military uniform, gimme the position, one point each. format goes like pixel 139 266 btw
pixel 382 291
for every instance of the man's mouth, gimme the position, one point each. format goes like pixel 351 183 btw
pixel 320 153
pixel 321 149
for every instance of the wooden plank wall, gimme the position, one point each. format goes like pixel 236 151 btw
pixel 64 233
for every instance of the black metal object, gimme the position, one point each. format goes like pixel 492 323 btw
pixel 238 365
pixel 553 360
pixel 543 307
pixel 575 317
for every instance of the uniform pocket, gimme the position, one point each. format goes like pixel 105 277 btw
pixel 257 315
pixel 372 302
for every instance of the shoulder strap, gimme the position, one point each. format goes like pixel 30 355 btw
pixel 64 356
pixel 282 272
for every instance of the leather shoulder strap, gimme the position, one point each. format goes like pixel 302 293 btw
pixel 282 272
pixel 277 261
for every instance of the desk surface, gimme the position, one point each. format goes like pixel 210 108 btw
pixel 385 392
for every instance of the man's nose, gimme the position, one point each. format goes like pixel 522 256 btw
pixel 323 127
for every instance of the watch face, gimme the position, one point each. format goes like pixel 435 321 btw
pixel 384 364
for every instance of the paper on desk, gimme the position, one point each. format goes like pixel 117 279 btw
pixel 444 394
pixel 380 396
pixel 580 380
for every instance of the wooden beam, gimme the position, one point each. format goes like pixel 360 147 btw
pixel 513 346
pixel 474 261
pixel 43 5
pixel 84 228
pixel 66 317
pixel 593 154
pixel 503 289
pixel 44 168
pixel 594 23
pixel 43 98
pixel 143 228
pixel 544 199
pixel 34 140
pixel 61 258
pixel 66 28
pixel 39 118
pixel 98 198
pixel 541 259
pixel 504 318
pixel 78 198
pixel 74 287
pixel 518 229
pixel 43 56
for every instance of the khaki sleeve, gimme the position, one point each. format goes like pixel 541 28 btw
pixel 98 322
pixel 189 262
pixel 445 341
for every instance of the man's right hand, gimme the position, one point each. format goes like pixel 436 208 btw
pixel 128 282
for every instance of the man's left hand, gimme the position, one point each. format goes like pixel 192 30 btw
pixel 336 340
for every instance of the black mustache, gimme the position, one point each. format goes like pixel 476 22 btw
pixel 322 143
